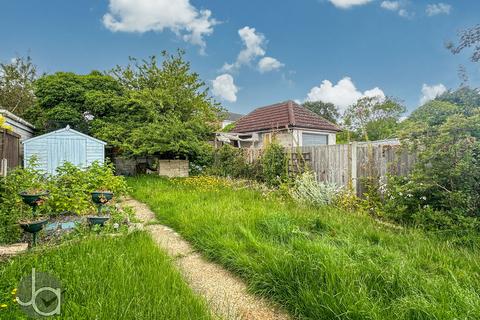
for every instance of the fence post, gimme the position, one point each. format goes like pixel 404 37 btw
pixel 3 167
pixel 353 156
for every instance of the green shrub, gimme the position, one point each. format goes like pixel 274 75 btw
pixel 69 191
pixel 274 165
pixel 12 207
pixel 443 190
pixel 70 188
pixel 306 189
pixel 229 162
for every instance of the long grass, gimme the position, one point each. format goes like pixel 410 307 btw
pixel 320 263
pixel 125 277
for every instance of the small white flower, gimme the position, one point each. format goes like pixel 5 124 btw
pixel 424 198
pixel 116 226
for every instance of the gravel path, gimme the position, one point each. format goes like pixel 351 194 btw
pixel 226 294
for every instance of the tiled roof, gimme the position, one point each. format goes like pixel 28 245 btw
pixel 233 116
pixel 282 115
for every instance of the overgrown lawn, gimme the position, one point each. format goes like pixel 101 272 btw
pixel 124 277
pixel 320 263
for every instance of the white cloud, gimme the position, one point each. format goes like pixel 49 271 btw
pixel 253 47
pixel 254 44
pixel 431 92
pixel 404 13
pixel 398 7
pixel 225 88
pixel 179 16
pixel 438 8
pixel 269 64
pixel 342 94
pixel 390 5
pixel 345 4
pixel 375 93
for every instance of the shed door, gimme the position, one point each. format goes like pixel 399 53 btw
pixel 60 150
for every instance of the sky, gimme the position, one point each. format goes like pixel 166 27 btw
pixel 256 53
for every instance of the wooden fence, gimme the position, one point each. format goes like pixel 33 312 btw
pixel 344 163
pixel 9 151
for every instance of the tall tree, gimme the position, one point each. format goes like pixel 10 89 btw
pixel 64 98
pixel 445 134
pixel 324 109
pixel 469 38
pixel 16 84
pixel 373 118
pixel 149 107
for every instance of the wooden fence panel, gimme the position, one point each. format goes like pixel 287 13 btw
pixel 345 163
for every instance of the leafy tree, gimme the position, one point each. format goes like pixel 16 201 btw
pixel 16 85
pixel 469 38
pixel 145 108
pixel 373 118
pixel 62 99
pixel 434 113
pixel 443 189
pixel 324 109
pixel 167 112
pixel 465 97
pixel 465 101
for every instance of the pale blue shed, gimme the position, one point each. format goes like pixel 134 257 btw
pixel 64 145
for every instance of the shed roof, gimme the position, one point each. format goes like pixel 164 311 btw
pixel 287 114
pixel 67 128
pixel 16 118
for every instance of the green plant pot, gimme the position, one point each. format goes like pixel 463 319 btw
pixel 33 226
pixel 97 220
pixel 32 199
pixel 101 197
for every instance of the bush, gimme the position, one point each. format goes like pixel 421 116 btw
pixel 69 191
pixel 229 162
pixel 308 190
pixel 274 165
pixel 412 201
pixel 443 190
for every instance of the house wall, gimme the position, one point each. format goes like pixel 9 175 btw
pixel 297 133
pixel 290 138
pixel 52 150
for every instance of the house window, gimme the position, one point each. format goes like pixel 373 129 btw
pixel 314 139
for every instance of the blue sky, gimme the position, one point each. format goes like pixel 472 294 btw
pixel 254 53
